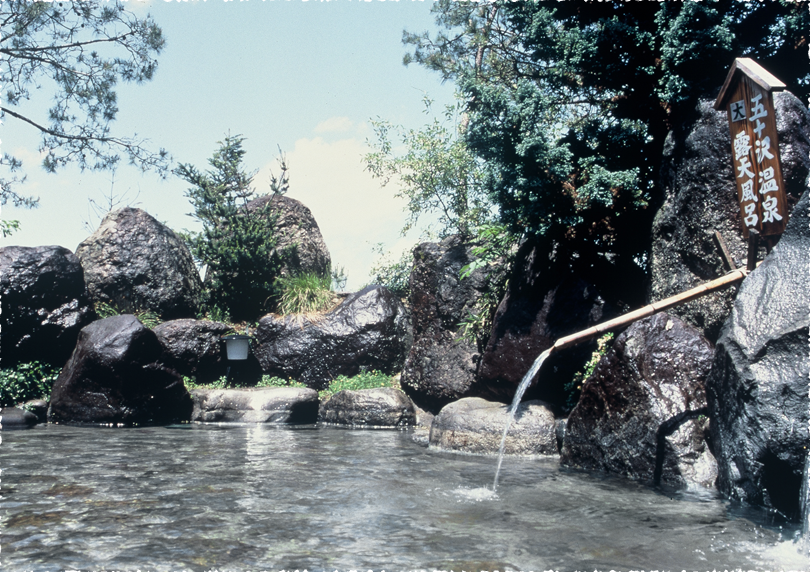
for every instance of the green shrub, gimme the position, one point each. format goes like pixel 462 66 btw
pixel 573 388
pixel 304 294
pixel 393 274
pixel 273 381
pixel 364 380
pixel 148 318
pixel 27 381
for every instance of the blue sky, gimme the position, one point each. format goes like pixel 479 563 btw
pixel 303 76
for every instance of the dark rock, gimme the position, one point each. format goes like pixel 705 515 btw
pixel 194 348
pixel 43 304
pixel 758 386
pixel 16 418
pixel 701 197
pixel 639 414
pixel 544 302
pixel 474 425
pixel 135 263
pixel 268 405
pixel 38 407
pixel 369 330
pixel 115 375
pixel 380 407
pixel 441 366
pixel 298 234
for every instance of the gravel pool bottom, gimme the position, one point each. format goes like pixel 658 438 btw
pixel 237 497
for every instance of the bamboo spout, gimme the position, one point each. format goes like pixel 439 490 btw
pixel 599 329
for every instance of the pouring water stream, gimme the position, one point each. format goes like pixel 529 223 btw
pixel 524 384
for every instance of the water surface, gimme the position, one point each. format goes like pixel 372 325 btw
pixel 208 497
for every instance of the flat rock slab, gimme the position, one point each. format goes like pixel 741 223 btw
pixel 291 405
pixel 475 425
pixel 380 407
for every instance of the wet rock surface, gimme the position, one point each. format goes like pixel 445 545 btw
pixel 134 263
pixel 475 425
pixel 16 418
pixel 544 302
pixel 642 413
pixel 440 366
pixel 701 198
pixel 298 234
pixel 369 330
pixel 43 304
pixel 758 387
pixel 290 405
pixel 379 407
pixel 194 348
pixel 115 375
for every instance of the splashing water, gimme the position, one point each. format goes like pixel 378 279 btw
pixel 524 385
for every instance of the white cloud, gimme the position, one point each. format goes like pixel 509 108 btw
pixel 335 125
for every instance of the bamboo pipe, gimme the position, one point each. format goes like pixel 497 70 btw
pixel 599 329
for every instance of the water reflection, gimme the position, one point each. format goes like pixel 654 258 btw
pixel 258 498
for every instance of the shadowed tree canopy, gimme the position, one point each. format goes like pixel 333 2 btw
pixel 77 51
pixel 569 103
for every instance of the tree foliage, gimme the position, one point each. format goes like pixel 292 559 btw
pixel 569 102
pixel 237 244
pixel 437 173
pixel 79 51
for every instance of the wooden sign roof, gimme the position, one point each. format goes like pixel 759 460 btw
pixel 758 74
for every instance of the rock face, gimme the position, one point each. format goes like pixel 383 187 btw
pixel 115 375
pixel 758 387
pixel 368 330
pixel 269 405
pixel 543 302
pixel 43 304
pixel 193 348
pixel 633 415
pixel 134 263
pixel 441 367
pixel 701 198
pixel 380 407
pixel 474 425
pixel 296 231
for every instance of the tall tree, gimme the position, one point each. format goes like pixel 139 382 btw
pixel 237 244
pixel 570 102
pixel 79 50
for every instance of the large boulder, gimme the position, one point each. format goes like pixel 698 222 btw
pixel 544 301
pixel 441 366
pixel 378 407
pixel 43 304
pixel 290 405
pixel 758 387
pixel 700 197
pixel 194 348
pixel 298 235
pixel 369 330
pixel 475 425
pixel 642 413
pixel 115 375
pixel 134 263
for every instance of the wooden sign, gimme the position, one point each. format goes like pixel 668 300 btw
pixel 747 97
